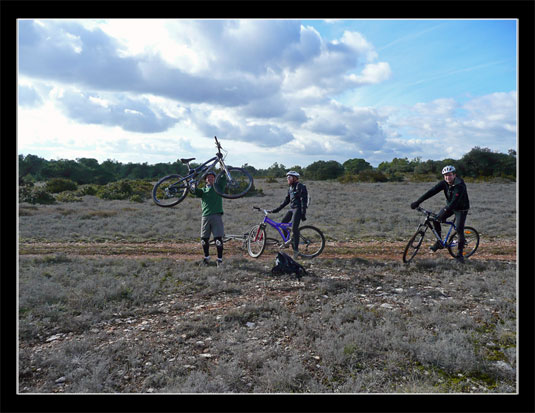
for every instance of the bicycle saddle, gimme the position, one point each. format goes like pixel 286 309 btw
pixel 186 160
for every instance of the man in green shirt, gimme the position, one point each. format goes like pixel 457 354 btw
pixel 212 218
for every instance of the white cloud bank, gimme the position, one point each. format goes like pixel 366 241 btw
pixel 269 83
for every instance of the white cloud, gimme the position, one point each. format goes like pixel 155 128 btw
pixel 135 85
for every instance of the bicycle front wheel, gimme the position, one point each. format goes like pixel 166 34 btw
pixel 238 185
pixel 311 241
pixel 169 191
pixel 413 246
pixel 256 241
pixel 471 242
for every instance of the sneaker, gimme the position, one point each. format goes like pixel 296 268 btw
pixel 460 258
pixel 219 262
pixel 296 254
pixel 206 260
pixel 437 246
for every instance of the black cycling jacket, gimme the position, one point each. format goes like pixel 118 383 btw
pixel 456 195
pixel 297 198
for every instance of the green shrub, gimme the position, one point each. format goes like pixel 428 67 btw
pixel 56 185
pixel 136 198
pixel 418 177
pixel 126 189
pixel 35 195
pixel 371 176
pixel 348 178
pixel 87 190
pixel 68 196
pixel 115 190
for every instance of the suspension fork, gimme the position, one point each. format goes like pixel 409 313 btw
pixel 259 231
pixel 224 167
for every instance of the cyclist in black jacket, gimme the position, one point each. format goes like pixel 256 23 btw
pixel 298 199
pixel 457 203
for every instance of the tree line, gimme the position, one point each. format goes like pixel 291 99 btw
pixel 478 163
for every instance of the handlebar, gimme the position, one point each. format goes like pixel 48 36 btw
pixel 260 209
pixel 428 213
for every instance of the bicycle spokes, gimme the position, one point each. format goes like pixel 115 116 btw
pixel 169 191
pixel 471 242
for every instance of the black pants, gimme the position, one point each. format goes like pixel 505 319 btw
pixel 460 219
pixel 205 242
pixel 296 214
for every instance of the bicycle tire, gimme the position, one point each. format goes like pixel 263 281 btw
pixel 309 237
pixel 256 241
pixel 242 183
pixel 413 245
pixel 471 237
pixel 169 191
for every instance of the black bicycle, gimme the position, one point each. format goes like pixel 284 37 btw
pixel 471 237
pixel 230 182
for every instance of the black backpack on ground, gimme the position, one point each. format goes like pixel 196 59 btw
pixel 284 264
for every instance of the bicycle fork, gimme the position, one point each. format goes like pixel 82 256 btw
pixel 258 235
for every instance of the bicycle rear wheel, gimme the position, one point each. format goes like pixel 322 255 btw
pixel 240 183
pixel 256 241
pixel 413 245
pixel 311 241
pixel 169 191
pixel 471 242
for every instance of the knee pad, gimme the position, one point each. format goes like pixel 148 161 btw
pixel 218 242
pixel 204 241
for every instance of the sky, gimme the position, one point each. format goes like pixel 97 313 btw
pixel 281 90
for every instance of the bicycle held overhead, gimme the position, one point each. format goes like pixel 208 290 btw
pixel 230 182
pixel 450 241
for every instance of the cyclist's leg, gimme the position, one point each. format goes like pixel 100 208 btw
pixel 218 231
pixel 460 219
pixel 205 236
pixel 438 228
pixel 438 244
pixel 295 230
pixel 287 218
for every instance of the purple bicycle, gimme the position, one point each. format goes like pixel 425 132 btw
pixel 311 239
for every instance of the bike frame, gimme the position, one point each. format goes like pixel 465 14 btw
pixel 279 226
pixel 195 175
pixel 427 224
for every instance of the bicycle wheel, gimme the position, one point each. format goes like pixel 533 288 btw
pixel 169 191
pixel 256 241
pixel 413 245
pixel 311 241
pixel 471 242
pixel 240 183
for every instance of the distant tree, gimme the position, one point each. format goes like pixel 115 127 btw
pixel 396 165
pixel 31 165
pixel 276 171
pixel 427 167
pixel 322 170
pixel 251 169
pixel 355 166
pixel 482 162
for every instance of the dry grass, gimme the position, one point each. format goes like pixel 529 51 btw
pixel 158 325
pixel 343 211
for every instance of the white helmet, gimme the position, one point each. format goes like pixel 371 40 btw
pixel 292 173
pixel 447 169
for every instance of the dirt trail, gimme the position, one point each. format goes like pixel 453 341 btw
pixel 502 250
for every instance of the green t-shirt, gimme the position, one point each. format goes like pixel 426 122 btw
pixel 212 202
